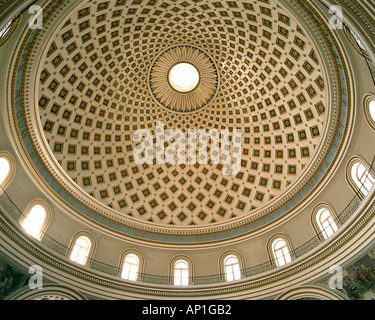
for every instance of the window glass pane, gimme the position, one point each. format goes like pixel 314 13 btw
pixel 286 255
pixel 324 215
pixel 181 273
pixel 125 270
pixel 181 265
pixel 229 274
pixel 279 244
pixel 131 259
pixel 133 273
pixel 81 250
pixel 130 268
pixel 326 223
pixel 372 110
pixel 232 268
pixel 83 242
pixel 361 173
pixel 333 224
pixel 177 278
pixel 363 179
pixel 185 280
pixel 281 252
pixel 34 221
pixel 237 272
pixel 231 260
pixel 4 169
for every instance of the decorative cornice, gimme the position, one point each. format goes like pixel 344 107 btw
pixel 352 237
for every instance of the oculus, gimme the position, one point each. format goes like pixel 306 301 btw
pixel 183 79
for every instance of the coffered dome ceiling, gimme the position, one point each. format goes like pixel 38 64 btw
pixel 96 91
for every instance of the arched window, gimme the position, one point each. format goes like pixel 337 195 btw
pixel 81 250
pixel 280 252
pixel 7 169
pixel 181 273
pixel 130 267
pixel 35 220
pixel 326 223
pixel 4 170
pixel 362 178
pixel 232 268
pixel 371 109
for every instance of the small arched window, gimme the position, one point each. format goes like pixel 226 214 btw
pixel 181 273
pixel 7 169
pixel 362 178
pixel 280 252
pixel 371 109
pixel 326 223
pixel 232 268
pixel 35 221
pixel 130 268
pixel 4 170
pixel 81 250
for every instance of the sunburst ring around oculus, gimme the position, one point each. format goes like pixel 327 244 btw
pixel 183 79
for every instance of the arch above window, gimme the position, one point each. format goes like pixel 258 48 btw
pixel 131 266
pixel 82 248
pixel 7 169
pixel 181 271
pixel 36 219
pixel 369 109
pixel 280 250
pixel 232 268
pixel 324 221
pixel 359 176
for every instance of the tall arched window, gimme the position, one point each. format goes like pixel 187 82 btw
pixel 81 250
pixel 362 178
pixel 35 220
pixel 280 252
pixel 7 169
pixel 326 223
pixel 4 169
pixel 130 267
pixel 181 273
pixel 232 268
pixel 371 109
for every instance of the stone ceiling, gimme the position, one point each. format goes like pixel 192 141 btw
pixel 94 95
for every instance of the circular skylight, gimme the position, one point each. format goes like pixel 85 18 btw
pixel 185 84
pixel 183 77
